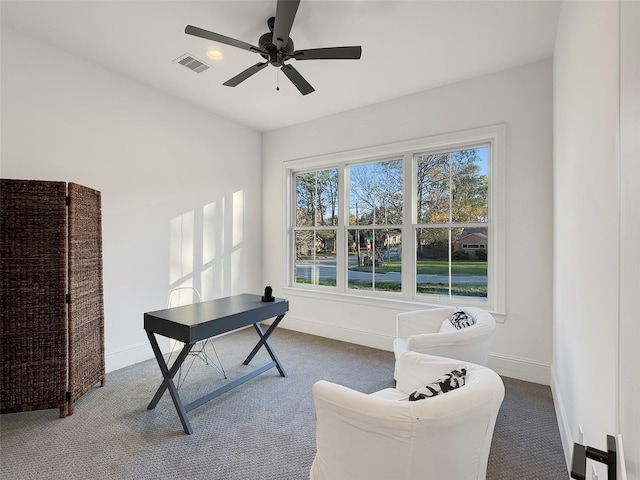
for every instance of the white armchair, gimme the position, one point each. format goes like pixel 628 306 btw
pixel 382 436
pixel 424 331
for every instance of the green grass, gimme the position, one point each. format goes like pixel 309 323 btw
pixel 384 286
pixel 427 289
pixel 456 290
pixel 433 267
pixel 326 283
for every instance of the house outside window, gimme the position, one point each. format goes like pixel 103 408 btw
pixel 420 221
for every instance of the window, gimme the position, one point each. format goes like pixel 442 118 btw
pixel 316 222
pixel 374 235
pixel 452 203
pixel 417 221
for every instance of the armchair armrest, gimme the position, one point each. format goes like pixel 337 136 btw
pixel 356 433
pixel 421 321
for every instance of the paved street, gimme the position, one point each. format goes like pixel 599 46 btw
pixel 325 269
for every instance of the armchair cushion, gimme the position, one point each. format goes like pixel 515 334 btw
pixel 444 384
pixel 447 326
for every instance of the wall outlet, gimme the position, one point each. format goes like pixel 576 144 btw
pixel 580 435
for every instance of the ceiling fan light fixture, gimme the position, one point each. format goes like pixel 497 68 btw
pixel 215 54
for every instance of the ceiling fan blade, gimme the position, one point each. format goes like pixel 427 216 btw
pixel 216 37
pixel 241 77
pixel 285 14
pixel 331 53
pixel 297 79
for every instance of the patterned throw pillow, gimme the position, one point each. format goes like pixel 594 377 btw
pixel 444 384
pixel 460 319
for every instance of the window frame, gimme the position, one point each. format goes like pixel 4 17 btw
pixel 493 136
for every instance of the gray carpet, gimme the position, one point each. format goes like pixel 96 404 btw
pixel 262 430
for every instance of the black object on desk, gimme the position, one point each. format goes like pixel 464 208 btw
pixel 198 321
pixel 268 295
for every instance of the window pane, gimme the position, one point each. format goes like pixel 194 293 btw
pixel 433 188
pixel 317 198
pixel 305 256
pixel 469 262
pixel 316 257
pixel 360 273
pixel 432 261
pixel 465 275
pixel 470 186
pixel 375 259
pixel 453 186
pixel 375 191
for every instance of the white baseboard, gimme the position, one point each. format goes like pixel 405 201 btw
pixel 344 334
pixel 520 368
pixel 563 424
pixel 127 356
pixel 137 353
pixel 509 366
pixel 622 466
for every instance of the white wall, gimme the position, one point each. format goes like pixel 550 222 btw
pixel 521 98
pixel 586 221
pixel 180 186
pixel 629 359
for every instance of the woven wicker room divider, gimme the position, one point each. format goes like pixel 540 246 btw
pixel 52 307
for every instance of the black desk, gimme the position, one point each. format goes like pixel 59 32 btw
pixel 199 321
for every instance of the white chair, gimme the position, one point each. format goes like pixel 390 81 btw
pixel 429 331
pixel 382 436
pixel 178 298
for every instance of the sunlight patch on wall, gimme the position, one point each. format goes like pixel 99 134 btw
pixel 211 283
pixel 206 248
pixel 238 217
pixel 236 272
pixel 212 231
pixel 181 237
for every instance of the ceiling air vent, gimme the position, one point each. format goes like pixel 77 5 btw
pixel 192 63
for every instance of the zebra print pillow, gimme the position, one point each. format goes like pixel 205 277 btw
pixel 447 382
pixel 461 319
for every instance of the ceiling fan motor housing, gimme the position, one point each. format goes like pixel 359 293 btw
pixel 272 54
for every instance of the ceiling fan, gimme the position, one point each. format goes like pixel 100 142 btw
pixel 276 47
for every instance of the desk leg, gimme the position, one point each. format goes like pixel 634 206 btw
pixel 167 382
pixel 264 337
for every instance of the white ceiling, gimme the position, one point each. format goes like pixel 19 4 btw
pixel 407 47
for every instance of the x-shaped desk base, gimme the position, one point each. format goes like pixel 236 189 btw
pixel 169 372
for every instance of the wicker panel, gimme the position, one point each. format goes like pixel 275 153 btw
pixel 86 310
pixel 32 290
